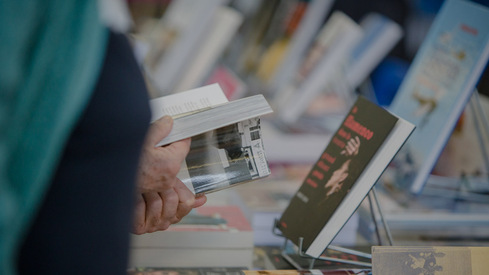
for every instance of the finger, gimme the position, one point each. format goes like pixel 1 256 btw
pixel 355 142
pixel 159 130
pixel 139 226
pixel 349 148
pixel 154 205
pixel 170 205
pixel 199 201
pixel 186 203
pixel 185 196
pixel 182 211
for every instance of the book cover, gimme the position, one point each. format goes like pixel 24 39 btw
pixel 438 85
pixel 226 147
pixel 443 260
pixel 232 85
pixel 224 26
pixel 225 157
pixel 359 151
pixel 279 42
pixel 307 29
pixel 185 24
pixel 323 63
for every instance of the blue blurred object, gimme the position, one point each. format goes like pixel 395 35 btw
pixel 428 6
pixel 387 78
pixel 482 2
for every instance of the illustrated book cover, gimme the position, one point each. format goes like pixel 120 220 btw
pixel 227 146
pixel 358 153
pixel 438 85
pixel 442 260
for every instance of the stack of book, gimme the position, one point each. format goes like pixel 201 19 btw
pixel 210 236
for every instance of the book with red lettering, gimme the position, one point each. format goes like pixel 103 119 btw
pixel 362 147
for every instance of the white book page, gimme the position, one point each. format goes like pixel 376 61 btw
pixel 188 101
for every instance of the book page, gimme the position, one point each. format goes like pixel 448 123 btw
pixel 187 102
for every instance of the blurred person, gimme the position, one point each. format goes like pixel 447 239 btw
pixel 75 142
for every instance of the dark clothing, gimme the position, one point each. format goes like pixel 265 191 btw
pixel 84 222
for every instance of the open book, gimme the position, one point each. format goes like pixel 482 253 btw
pixel 226 147
pixel 358 153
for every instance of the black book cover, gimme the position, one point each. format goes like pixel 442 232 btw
pixel 349 151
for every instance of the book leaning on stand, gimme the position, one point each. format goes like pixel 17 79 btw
pixel 358 153
pixel 227 146
pixel 438 85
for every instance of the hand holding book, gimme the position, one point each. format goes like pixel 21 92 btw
pixel 226 147
pixel 162 199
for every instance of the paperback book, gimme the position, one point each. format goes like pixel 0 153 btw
pixel 443 260
pixel 227 146
pixel 438 85
pixel 323 63
pixel 358 153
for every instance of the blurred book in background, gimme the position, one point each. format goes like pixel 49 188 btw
pixel 210 236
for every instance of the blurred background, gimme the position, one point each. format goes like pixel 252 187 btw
pixel 311 59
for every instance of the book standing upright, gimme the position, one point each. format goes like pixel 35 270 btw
pixel 323 63
pixel 439 84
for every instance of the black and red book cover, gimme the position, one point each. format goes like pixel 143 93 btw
pixel 335 173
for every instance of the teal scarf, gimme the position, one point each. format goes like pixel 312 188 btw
pixel 51 52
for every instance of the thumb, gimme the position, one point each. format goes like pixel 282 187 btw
pixel 160 129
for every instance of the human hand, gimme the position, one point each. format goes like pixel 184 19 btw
pixel 352 147
pixel 156 211
pixel 162 198
pixel 159 166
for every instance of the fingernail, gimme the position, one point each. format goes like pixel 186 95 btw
pixel 190 201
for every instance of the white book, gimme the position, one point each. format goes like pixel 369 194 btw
pixel 224 25
pixel 227 145
pixel 203 109
pixel 189 23
pixel 192 257
pixel 329 54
